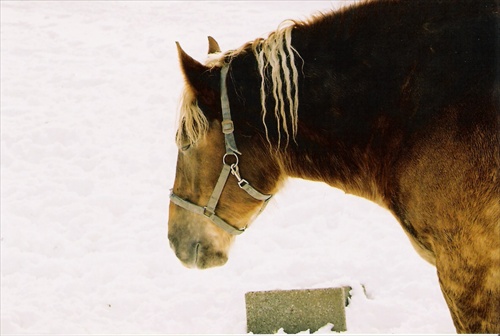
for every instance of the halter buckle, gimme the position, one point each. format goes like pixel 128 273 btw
pixel 227 126
pixel 207 213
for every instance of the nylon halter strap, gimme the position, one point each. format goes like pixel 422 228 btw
pixel 227 168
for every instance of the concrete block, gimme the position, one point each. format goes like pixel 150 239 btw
pixel 296 310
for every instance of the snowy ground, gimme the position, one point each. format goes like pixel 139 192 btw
pixel 88 111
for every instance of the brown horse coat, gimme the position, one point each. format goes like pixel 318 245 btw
pixel 395 101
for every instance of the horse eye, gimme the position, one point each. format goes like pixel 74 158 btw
pixel 185 147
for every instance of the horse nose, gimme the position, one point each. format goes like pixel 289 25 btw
pixel 195 254
pixel 188 253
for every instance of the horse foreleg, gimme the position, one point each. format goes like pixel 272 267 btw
pixel 471 287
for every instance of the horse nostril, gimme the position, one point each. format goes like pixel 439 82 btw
pixel 173 242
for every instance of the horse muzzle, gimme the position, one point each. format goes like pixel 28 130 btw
pixel 196 254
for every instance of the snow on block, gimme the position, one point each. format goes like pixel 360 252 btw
pixel 296 310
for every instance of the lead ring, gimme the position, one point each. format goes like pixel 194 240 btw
pixel 235 156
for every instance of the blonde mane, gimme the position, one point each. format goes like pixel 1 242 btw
pixel 192 121
pixel 275 56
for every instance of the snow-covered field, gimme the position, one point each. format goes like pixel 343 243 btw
pixel 89 93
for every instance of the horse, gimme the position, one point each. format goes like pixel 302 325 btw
pixel 396 101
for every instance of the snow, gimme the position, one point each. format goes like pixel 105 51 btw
pixel 89 92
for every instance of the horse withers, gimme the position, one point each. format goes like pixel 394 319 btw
pixel 394 101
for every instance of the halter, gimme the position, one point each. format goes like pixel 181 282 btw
pixel 227 168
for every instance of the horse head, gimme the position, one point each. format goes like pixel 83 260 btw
pixel 223 178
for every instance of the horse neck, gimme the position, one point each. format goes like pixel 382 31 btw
pixel 352 166
pixel 342 137
pixel 329 146
pixel 336 140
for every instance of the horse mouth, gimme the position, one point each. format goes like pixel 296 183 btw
pixel 200 257
pixel 196 253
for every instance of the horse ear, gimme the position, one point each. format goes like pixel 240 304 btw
pixel 213 46
pixel 192 69
pixel 203 80
pixel 200 77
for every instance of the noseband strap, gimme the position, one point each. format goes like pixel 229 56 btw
pixel 227 168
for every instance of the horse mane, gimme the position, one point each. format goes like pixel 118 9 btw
pixel 193 124
pixel 275 58
pixel 276 53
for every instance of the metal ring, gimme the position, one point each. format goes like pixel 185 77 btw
pixel 235 156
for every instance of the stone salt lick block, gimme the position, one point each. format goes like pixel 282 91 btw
pixel 296 310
